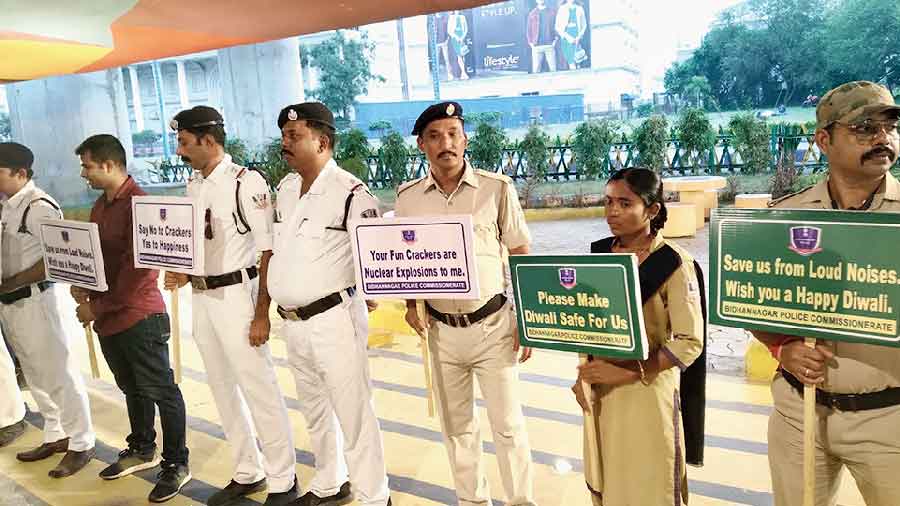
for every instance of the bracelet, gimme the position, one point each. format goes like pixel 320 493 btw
pixel 643 373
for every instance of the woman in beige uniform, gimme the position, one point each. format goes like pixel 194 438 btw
pixel 634 448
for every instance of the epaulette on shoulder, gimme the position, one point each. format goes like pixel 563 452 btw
pixel 494 175
pixel 775 202
pixel 287 179
pixel 409 184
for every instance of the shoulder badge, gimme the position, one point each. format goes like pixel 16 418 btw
pixel 409 184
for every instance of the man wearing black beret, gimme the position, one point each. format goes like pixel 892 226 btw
pixel 325 322
pixel 473 337
pixel 231 311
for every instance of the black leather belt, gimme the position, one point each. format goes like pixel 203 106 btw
pixel 320 306
pixel 23 293
pixel 213 282
pixel 849 402
pixel 467 319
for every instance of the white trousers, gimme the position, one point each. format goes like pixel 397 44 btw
pixel 36 334
pixel 12 406
pixel 330 365
pixel 243 383
pixel 483 350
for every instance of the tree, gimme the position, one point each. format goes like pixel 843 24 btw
pixel 345 71
pixel 850 32
pixel 751 140
pixel 533 151
pixel 380 127
pixel 353 152
pixel 486 145
pixel 5 127
pixel 696 88
pixel 696 135
pixel 650 139
pixel 394 157
pixel 591 145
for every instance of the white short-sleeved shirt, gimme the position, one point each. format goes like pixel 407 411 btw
pixel 234 245
pixel 312 256
pixel 21 249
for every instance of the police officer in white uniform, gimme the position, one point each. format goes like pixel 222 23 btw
pixel 12 406
pixel 326 326
pixel 30 316
pixel 231 310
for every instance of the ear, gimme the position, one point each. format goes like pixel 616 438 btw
pixel 823 140
pixel 653 210
pixel 420 143
pixel 108 166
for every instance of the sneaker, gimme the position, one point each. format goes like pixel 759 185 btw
pixel 171 479
pixel 130 461
pixel 235 490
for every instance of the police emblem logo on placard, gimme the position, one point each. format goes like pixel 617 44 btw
pixel 292 115
pixel 409 236
pixel 567 278
pixel 806 240
pixel 65 235
pixel 162 214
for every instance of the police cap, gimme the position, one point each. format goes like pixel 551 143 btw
pixel 854 102
pixel 196 117
pixel 307 111
pixel 435 112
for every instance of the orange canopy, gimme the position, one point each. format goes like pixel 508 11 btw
pixel 45 38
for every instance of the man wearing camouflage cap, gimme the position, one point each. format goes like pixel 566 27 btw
pixel 858 385
pixel 473 338
pixel 231 311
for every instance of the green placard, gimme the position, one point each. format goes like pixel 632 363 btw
pixel 581 303
pixel 827 274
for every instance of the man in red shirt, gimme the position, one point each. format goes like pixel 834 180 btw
pixel 133 326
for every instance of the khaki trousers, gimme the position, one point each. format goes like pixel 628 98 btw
pixel 867 443
pixel 483 350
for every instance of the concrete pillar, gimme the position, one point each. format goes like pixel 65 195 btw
pixel 136 103
pixel 182 85
pixel 258 80
pixel 53 116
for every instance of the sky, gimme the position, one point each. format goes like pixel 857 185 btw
pixel 666 25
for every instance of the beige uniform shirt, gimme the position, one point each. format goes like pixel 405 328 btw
pixel 497 219
pixel 22 249
pixel 860 368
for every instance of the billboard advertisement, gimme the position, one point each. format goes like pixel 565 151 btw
pixel 515 36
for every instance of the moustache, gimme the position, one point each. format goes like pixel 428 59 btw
pixel 442 153
pixel 878 151
pixel 185 159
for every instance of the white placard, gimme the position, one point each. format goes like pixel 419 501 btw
pixel 427 257
pixel 72 253
pixel 168 233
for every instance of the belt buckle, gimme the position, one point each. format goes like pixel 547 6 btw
pixel 287 315
pixel 459 320
pixel 198 282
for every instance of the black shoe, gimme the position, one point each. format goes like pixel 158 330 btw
pixel 12 432
pixel 235 490
pixel 130 461
pixel 283 498
pixel 171 479
pixel 71 463
pixel 344 495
